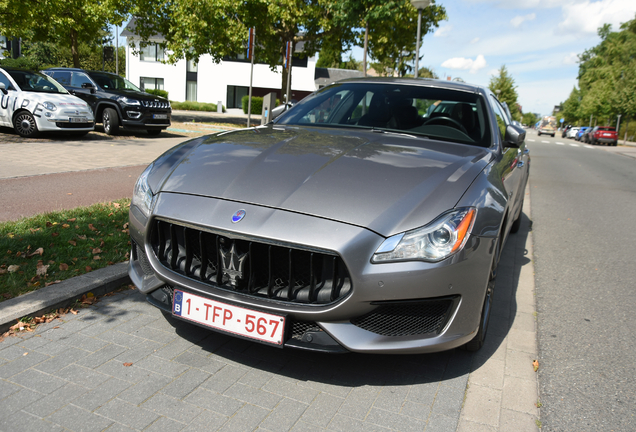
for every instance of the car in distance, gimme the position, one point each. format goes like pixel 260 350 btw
pixel 579 134
pixel 547 126
pixel 115 100
pixel 572 132
pixel 586 135
pixel 604 135
pixel 356 221
pixel 31 102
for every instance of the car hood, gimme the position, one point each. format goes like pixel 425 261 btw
pixel 62 100
pixel 134 94
pixel 385 182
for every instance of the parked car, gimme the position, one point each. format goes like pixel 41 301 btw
pixel 115 100
pixel 604 135
pixel 31 102
pixel 586 135
pixel 565 131
pixel 572 132
pixel 352 222
pixel 579 134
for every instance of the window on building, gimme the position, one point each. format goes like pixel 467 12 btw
pixel 151 83
pixel 151 52
pixel 235 96
pixel 191 91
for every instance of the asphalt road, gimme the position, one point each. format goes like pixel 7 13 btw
pixel 583 206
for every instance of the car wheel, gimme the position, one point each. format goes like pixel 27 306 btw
pixel 480 337
pixel 552 135
pixel 24 124
pixel 615 143
pixel 154 132
pixel 110 121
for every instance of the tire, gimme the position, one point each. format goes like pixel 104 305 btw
pixel 478 341
pixel 24 124
pixel 154 132
pixel 615 143
pixel 110 121
pixel 552 135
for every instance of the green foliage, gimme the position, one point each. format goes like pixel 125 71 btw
pixel 503 85
pixel 68 242
pixel 194 106
pixel 529 118
pixel 159 92
pixel 257 104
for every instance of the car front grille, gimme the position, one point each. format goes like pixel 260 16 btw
pixel 155 104
pixel 407 318
pixel 251 267
pixel 64 125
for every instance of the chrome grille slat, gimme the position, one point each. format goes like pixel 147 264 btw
pixel 239 264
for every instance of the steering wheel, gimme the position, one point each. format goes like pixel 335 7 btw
pixel 444 119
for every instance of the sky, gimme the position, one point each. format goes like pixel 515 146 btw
pixel 537 40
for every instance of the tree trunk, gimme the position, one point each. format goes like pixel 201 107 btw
pixel 74 48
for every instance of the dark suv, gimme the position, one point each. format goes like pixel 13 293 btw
pixel 115 100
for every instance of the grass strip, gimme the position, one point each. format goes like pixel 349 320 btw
pixel 45 249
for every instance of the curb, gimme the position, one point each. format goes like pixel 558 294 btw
pixel 38 302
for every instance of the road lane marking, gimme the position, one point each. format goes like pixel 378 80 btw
pixel 559 143
pixel 530 140
pixel 547 142
pixel 574 145
pixel 588 146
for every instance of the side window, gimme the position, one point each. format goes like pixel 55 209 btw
pixel 80 78
pixel 502 118
pixel 362 108
pixel 63 78
pixel 4 80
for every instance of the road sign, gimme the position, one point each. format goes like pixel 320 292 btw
pixel 562 120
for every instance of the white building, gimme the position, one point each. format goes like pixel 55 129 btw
pixel 227 81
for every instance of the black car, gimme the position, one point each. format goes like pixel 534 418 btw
pixel 115 100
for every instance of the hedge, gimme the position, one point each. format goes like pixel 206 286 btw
pixel 257 104
pixel 194 106
pixel 158 92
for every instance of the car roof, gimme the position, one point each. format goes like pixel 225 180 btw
pixel 77 70
pixel 424 82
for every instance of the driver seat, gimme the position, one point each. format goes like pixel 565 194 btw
pixel 464 114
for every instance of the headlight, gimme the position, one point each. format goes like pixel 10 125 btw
pixel 128 101
pixel 434 242
pixel 143 198
pixel 49 106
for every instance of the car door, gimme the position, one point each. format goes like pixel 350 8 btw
pixel 6 98
pixel 78 79
pixel 511 163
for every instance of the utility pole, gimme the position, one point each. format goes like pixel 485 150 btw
pixel 250 54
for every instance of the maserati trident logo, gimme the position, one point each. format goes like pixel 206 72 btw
pixel 232 263
pixel 238 216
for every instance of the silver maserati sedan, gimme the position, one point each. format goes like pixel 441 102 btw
pixel 369 218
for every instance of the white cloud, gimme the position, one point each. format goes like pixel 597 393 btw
pixel 466 64
pixel 474 41
pixel 494 72
pixel 519 19
pixel 443 31
pixel 587 17
pixel 571 59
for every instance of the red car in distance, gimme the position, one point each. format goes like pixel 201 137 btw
pixel 604 135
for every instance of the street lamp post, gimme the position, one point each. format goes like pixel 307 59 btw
pixel 420 5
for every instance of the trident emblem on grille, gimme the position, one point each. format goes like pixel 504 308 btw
pixel 232 263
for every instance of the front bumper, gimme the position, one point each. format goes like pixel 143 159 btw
pixel 143 118
pixel 353 322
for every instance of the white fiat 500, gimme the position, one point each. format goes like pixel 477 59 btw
pixel 31 102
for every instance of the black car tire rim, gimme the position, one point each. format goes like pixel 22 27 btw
pixel 106 121
pixel 25 125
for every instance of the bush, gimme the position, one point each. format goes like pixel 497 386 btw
pixel 194 106
pixel 257 104
pixel 158 92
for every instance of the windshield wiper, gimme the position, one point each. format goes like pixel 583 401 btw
pixel 384 131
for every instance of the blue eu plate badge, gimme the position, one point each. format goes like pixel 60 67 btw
pixel 177 307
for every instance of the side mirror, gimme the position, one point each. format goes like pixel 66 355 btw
pixel 515 136
pixel 88 86
pixel 3 88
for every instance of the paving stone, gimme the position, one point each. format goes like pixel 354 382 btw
pixel 62 360
pixel 105 324
pixel 207 421
pixel 482 406
pixel 12 352
pixel 117 369
pixel 322 410
pixel 21 363
pixel 144 389
pixel 172 408
pixel 38 381
pixel 207 364
pixel 7 389
pixel 488 374
pixel 78 419
pixel 290 390
pixel 162 366
pixel 392 420
pixel 391 398
pixel 247 418
pixel 214 401
pixel 81 375
pixel 153 335
pixel 16 401
pixel 183 385
pixel 441 423
pixel 173 349
pixel 519 365
pixel 343 423
pixel 101 356
pixel 127 414
pixel 520 395
pixel 284 415
pixel 256 378
pixel 423 393
pixel 359 402
pixel 416 410
pixel 34 343
pixel 22 421
pixel 524 321
pixel 522 340
pixel 514 421
pixel 470 426
pixel 120 338
pixel 99 396
pixel 138 353
pixel 164 424
pixel 224 378
pixel 55 400
pixel 82 342
pixel 253 396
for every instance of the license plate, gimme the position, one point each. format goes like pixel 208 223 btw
pixel 249 323
pixel 77 120
pixel 160 116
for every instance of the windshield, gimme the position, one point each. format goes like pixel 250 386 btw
pixel 35 82
pixel 443 114
pixel 112 82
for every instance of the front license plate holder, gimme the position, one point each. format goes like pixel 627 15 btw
pixel 160 116
pixel 248 323
pixel 77 120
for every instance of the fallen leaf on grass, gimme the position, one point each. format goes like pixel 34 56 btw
pixel 49 224
pixel 535 364
pixel 71 220
pixel 52 283
pixel 91 227
pixel 97 257
pixel 66 226
pixel 3 271
pixel 116 205
pixel 63 267
pixel 38 251
pixel 73 311
pixel 54 234
pixel 13 268
pixel 72 242
pixel 128 364
pixel 41 270
pixel 34 230
pixel 88 268
pixel 97 251
pixel 81 237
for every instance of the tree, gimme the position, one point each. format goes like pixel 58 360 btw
pixel 503 85
pixel 71 22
